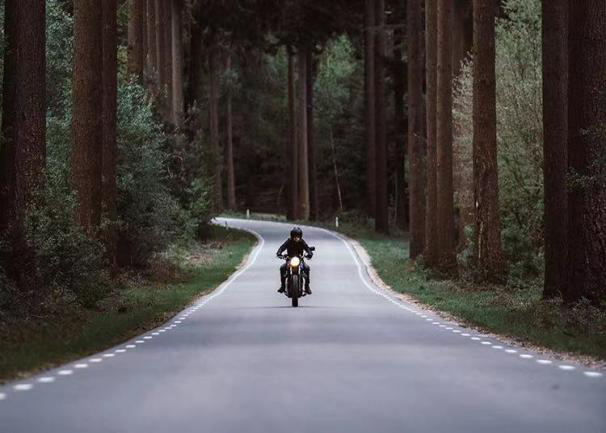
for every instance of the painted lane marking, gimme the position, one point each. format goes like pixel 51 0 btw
pixel 543 361
pixel 496 346
pixel 46 379
pixel 162 331
pixel 449 328
pixel 566 367
pixel 95 360
pixel 178 322
pixel 456 331
pixel 592 374
pixel 486 343
pixel 476 338
pixel 511 351
pixel 80 366
pixel 155 333
pixel 23 387
pixel 139 341
pixel 148 337
pixel 2 396
pixel 465 334
pixel 65 372
pixel 526 356
pixel 120 350
pixel 130 346
pixel 108 355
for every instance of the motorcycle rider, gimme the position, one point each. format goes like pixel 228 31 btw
pixel 294 247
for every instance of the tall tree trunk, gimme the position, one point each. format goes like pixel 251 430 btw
pixel 462 32
pixel 555 133
pixel 369 75
pixel 586 150
pixel 135 37
pixel 293 153
pixel 214 166
pixel 444 190
pixel 313 181
pixel 152 52
pixel 87 124
pixel 110 97
pixel 194 90
pixel 302 134
pixel 159 45
pixel 431 222
pixel 416 146
pixel 381 209
pixel 177 62
pixel 401 129
pixel 168 58
pixel 487 252
pixel 144 36
pixel 231 177
pixel 23 148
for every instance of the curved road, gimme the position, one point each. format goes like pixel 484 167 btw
pixel 348 360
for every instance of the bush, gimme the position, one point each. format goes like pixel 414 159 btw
pixel 68 261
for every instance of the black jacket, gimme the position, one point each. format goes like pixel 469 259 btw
pixel 294 248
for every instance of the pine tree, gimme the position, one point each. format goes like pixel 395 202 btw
pixel 555 132
pixel 87 124
pixel 586 150
pixel 23 146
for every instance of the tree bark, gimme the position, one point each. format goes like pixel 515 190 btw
pixel 302 148
pixel 23 149
pixel 381 209
pixel 462 33
pixel 214 162
pixel 369 75
pixel 196 55
pixel 135 37
pixel 293 153
pixel 87 122
pixel 168 59
pixel 555 133
pixel 313 181
pixel 231 177
pixel 401 130
pixel 152 52
pixel 431 222
pixel 444 189
pixel 159 46
pixel 177 62
pixel 416 179
pixel 487 249
pixel 110 100
pixel 586 150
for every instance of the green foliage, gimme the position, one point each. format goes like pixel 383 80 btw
pixel 71 263
pixel 520 135
pixel 149 217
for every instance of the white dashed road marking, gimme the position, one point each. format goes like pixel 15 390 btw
pixel 592 374
pixel 526 356
pixel 544 361
pixel 95 360
pixel 23 387
pixel 566 367
pixel 65 372
pixel 46 379
pixel 81 366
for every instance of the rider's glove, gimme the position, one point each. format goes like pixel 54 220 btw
pixel 310 255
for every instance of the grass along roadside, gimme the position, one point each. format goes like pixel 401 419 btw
pixel 129 311
pixel 516 313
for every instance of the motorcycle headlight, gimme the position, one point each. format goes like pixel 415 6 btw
pixel 294 262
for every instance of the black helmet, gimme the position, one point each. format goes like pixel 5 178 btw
pixel 296 232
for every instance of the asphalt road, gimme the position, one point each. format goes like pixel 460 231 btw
pixel 348 359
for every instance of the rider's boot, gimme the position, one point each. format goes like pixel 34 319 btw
pixel 307 289
pixel 282 288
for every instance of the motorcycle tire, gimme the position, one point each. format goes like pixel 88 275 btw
pixel 296 290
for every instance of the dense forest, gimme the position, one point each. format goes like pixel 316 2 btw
pixel 475 129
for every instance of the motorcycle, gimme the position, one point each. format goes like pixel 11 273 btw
pixel 295 277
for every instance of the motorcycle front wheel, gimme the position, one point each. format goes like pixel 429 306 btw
pixel 295 290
